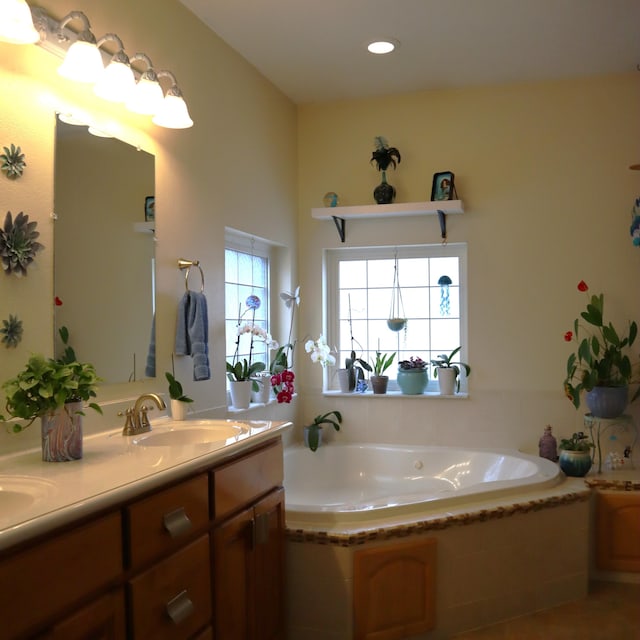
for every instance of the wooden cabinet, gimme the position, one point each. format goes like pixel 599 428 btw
pixel 618 531
pixel 199 559
pixel 248 548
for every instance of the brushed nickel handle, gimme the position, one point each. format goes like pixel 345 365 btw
pixel 180 607
pixel 177 522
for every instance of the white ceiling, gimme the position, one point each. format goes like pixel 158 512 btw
pixel 315 50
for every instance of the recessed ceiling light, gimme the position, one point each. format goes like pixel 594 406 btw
pixel 381 47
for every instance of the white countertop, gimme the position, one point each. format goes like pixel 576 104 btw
pixel 37 496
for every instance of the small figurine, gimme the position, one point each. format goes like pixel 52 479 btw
pixel 548 446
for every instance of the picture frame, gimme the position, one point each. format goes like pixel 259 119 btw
pixel 149 208
pixel 443 186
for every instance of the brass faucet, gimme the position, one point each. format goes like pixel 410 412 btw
pixel 137 420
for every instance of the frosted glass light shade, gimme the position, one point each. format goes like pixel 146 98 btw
pixel 16 24
pixel 83 62
pixel 173 113
pixel 116 83
pixel 146 97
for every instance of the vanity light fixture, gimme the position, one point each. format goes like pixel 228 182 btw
pixel 16 23
pixel 83 61
pixel 380 47
pixel 147 95
pixel 117 81
pixel 173 112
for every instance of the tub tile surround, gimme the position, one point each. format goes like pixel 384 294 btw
pixel 499 559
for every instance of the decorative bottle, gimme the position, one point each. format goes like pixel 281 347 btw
pixel 548 446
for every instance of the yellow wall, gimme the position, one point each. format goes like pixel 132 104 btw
pixel 236 167
pixel 543 173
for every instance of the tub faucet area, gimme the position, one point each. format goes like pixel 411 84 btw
pixel 137 420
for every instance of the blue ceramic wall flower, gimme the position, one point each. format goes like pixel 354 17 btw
pixel 634 230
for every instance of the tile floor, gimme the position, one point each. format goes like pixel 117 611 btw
pixel 611 611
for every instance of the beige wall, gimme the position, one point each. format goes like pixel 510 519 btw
pixel 543 173
pixel 236 167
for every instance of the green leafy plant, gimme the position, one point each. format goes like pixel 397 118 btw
pixel 601 358
pixel 577 442
pixel 333 418
pixel 382 362
pixel 242 370
pixel 47 384
pixel 175 389
pixel 444 361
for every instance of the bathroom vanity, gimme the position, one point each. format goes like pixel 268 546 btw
pixel 192 548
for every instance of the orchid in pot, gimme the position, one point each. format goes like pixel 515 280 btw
pixel 313 432
pixel 448 372
pixel 601 365
pixel 282 377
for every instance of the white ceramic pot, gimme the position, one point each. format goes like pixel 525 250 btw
pixel 345 378
pixel 240 393
pixel 263 394
pixel 178 409
pixel 447 380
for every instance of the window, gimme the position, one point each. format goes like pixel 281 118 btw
pixel 432 281
pixel 247 272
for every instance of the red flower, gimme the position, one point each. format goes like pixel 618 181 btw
pixel 568 336
pixel 276 379
pixel 58 302
pixel 582 286
pixel 288 376
pixel 284 396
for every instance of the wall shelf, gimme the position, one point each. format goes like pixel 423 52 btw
pixel 401 209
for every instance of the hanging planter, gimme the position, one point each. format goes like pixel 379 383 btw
pixel 397 320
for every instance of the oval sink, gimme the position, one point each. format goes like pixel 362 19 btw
pixel 18 493
pixel 191 432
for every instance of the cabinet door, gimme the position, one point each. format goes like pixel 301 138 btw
pixel 268 552
pixel 232 577
pixel 100 620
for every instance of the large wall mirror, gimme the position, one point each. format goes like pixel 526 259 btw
pixel 104 252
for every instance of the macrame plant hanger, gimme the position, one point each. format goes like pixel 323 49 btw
pixel 397 320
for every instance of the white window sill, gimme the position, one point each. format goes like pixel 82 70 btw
pixel 396 394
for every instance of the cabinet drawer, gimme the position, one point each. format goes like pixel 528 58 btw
pixel 39 582
pixel 162 522
pixel 173 598
pixel 239 482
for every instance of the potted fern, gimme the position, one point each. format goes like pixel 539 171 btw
pixel 54 390
pixel 313 432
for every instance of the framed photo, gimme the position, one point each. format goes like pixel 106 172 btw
pixel 149 208
pixel 443 186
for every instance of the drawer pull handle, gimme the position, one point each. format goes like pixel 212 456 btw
pixel 176 522
pixel 260 530
pixel 180 607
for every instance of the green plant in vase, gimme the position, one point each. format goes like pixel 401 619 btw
pixel 312 431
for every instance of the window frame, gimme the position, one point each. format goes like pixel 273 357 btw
pixel 331 260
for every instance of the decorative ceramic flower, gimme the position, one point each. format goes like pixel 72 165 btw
pixel 18 244
pixel 13 163
pixel 11 331
pixel 634 230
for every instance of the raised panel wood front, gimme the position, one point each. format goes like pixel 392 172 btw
pixel 394 590
pixel 618 531
pixel 185 575
pixel 165 520
pixel 242 481
pixel 39 582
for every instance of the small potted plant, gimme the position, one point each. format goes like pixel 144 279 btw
pixel 240 374
pixel 601 365
pixel 352 373
pixel 379 381
pixel 55 391
pixel 178 398
pixel 575 455
pixel 384 156
pixel 313 432
pixel 448 372
pixel 413 376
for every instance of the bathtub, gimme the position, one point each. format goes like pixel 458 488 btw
pixel 352 482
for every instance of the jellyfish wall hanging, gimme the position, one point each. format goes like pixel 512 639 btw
pixel 445 303
pixel 397 320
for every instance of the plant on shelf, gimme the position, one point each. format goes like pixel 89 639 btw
pixel 241 370
pixel 384 156
pixel 444 362
pixel 175 389
pixel 413 376
pixel 46 385
pixel 601 360
pixel 577 442
pixel 414 363
pixel 312 431
pixel 382 362
pixel 282 377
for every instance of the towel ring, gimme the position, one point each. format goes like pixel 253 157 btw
pixel 187 264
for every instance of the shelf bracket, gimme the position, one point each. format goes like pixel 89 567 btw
pixel 340 225
pixel 443 225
